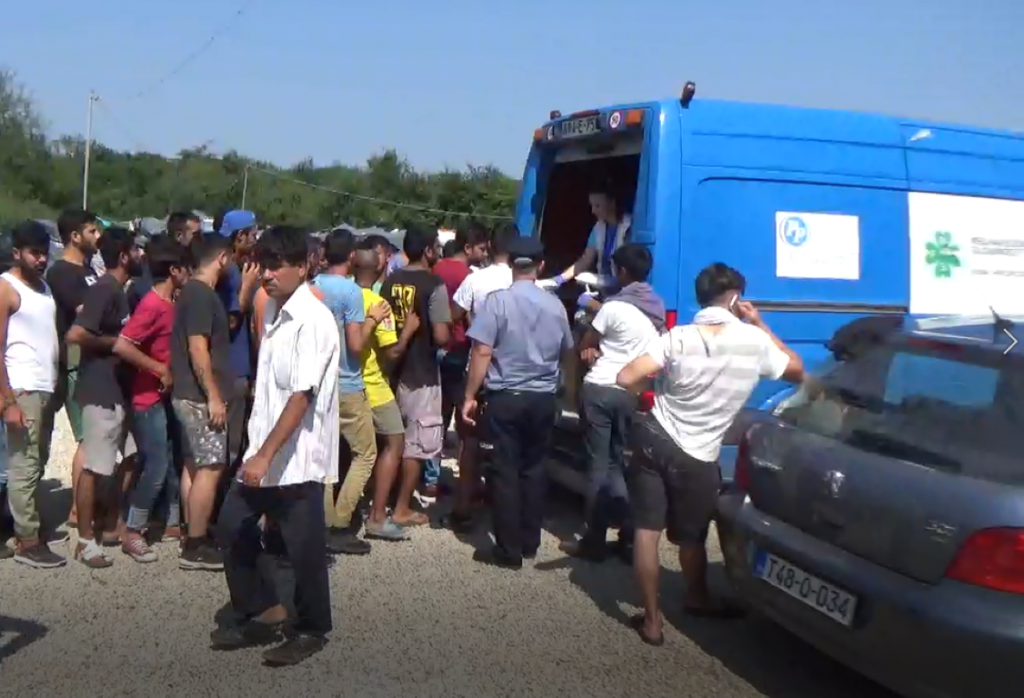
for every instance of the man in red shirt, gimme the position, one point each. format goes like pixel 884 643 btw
pixel 471 242
pixel 145 345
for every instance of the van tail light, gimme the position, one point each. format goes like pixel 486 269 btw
pixel 741 475
pixel 646 401
pixel 992 558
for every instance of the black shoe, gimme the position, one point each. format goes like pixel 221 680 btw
pixel 460 524
pixel 532 555
pixel 624 551
pixel 344 542
pixel 201 555
pixel 5 552
pixel 39 556
pixel 496 558
pixel 251 633
pixel 585 549
pixel 294 650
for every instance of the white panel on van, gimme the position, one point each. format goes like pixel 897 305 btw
pixel 966 254
pixel 817 245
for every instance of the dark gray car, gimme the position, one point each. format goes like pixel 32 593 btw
pixel 879 512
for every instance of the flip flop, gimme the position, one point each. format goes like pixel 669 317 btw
pixel 637 623
pixel 417 519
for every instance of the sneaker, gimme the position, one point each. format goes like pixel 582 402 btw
pixel 38 555
pixel 343 542
pixel 295 650
pixel 136 548
pixel 201 556
pixel 385 530
pixel 90 554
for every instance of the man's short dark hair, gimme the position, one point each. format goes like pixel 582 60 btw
pixel 715 280
pixel 115 242
pixel 72 221
pixel 282 244
pixel 451 248
pixel 605 187
pixel 417 241
pixel 470 234
pixel 218 219
pixel 635 260
pixel 30 235
pixel 204 248
pixel 164 253
pixel 371 241
pixel 178 222
pixel 502 236
pixel 339 246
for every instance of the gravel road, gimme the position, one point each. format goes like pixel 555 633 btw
pixel 416 618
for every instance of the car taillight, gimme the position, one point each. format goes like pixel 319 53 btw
pixel 741 475
pixel 646 400
pixel 992 558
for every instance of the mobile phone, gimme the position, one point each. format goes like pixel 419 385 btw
pixel 732 303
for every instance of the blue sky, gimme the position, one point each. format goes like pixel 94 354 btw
pixel 452 81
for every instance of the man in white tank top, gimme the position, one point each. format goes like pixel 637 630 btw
pixel 28 373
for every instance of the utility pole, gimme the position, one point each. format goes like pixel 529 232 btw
pixel 245 185
pixel 93 98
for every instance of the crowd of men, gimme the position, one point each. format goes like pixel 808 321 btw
pixel 247 391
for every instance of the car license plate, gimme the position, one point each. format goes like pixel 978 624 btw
pixel 805 587
pixel 577 128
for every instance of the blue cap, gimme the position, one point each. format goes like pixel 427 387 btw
pixel 235 221
pixel 525 250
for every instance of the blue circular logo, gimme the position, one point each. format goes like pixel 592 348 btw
pixel 794 231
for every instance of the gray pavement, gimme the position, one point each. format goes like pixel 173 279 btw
pixel 416 618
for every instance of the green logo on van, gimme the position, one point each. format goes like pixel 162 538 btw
pixel 942 255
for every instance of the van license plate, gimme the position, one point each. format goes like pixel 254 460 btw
pixel 577 128
pixel 805 587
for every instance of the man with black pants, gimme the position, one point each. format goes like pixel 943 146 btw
pixel 520 335
pixel 623 327
pixel 293 445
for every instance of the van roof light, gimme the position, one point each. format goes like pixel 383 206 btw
pixel 555 114
pixel 689 90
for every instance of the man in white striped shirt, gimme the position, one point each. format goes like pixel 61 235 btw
pixel 293 448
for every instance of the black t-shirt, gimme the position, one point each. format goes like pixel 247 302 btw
pixel 102 377
pixel 68 282
pixel 138 287
pixel 408 290
pixel 200 312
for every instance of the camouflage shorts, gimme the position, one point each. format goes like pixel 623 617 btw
pixel 200 443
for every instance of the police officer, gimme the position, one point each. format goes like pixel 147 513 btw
pixel 520 335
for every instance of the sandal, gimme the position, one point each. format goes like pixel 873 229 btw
pixel 418 518
pixel 90 554
pixel 637 623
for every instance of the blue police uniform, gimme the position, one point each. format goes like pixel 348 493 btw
pixel 528 331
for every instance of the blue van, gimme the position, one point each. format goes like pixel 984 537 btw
pixel 830 215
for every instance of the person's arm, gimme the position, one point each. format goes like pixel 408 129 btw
pixel 68 291
pixel 259 304
pixel 321 345
pixel 247 289
pixel 636 375
pixel 777 361
pixel 440 316
pixel 198 319
pixel 598 327
pixel 86 332
pixel 484 335
pixel 138 330
pixel 568 341
pixel 8 400
pixel 462 301
pixel 394 350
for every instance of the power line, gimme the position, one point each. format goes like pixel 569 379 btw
pixel 376 200
pixel 137 144
pixel 185 62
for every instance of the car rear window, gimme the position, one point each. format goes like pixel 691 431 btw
pixel 951 409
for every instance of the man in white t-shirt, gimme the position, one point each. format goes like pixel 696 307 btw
pixel 708 370
pixel 466 303
pixel 620 332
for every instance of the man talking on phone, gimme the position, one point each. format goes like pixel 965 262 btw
pixel 706 373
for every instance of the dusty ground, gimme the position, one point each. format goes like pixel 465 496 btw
pixel 415 618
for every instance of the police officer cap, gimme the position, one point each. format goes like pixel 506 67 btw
pixel 525 251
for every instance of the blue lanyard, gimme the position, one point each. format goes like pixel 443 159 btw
pixel 610 233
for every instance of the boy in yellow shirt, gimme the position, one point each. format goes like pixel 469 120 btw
pixel 388 346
